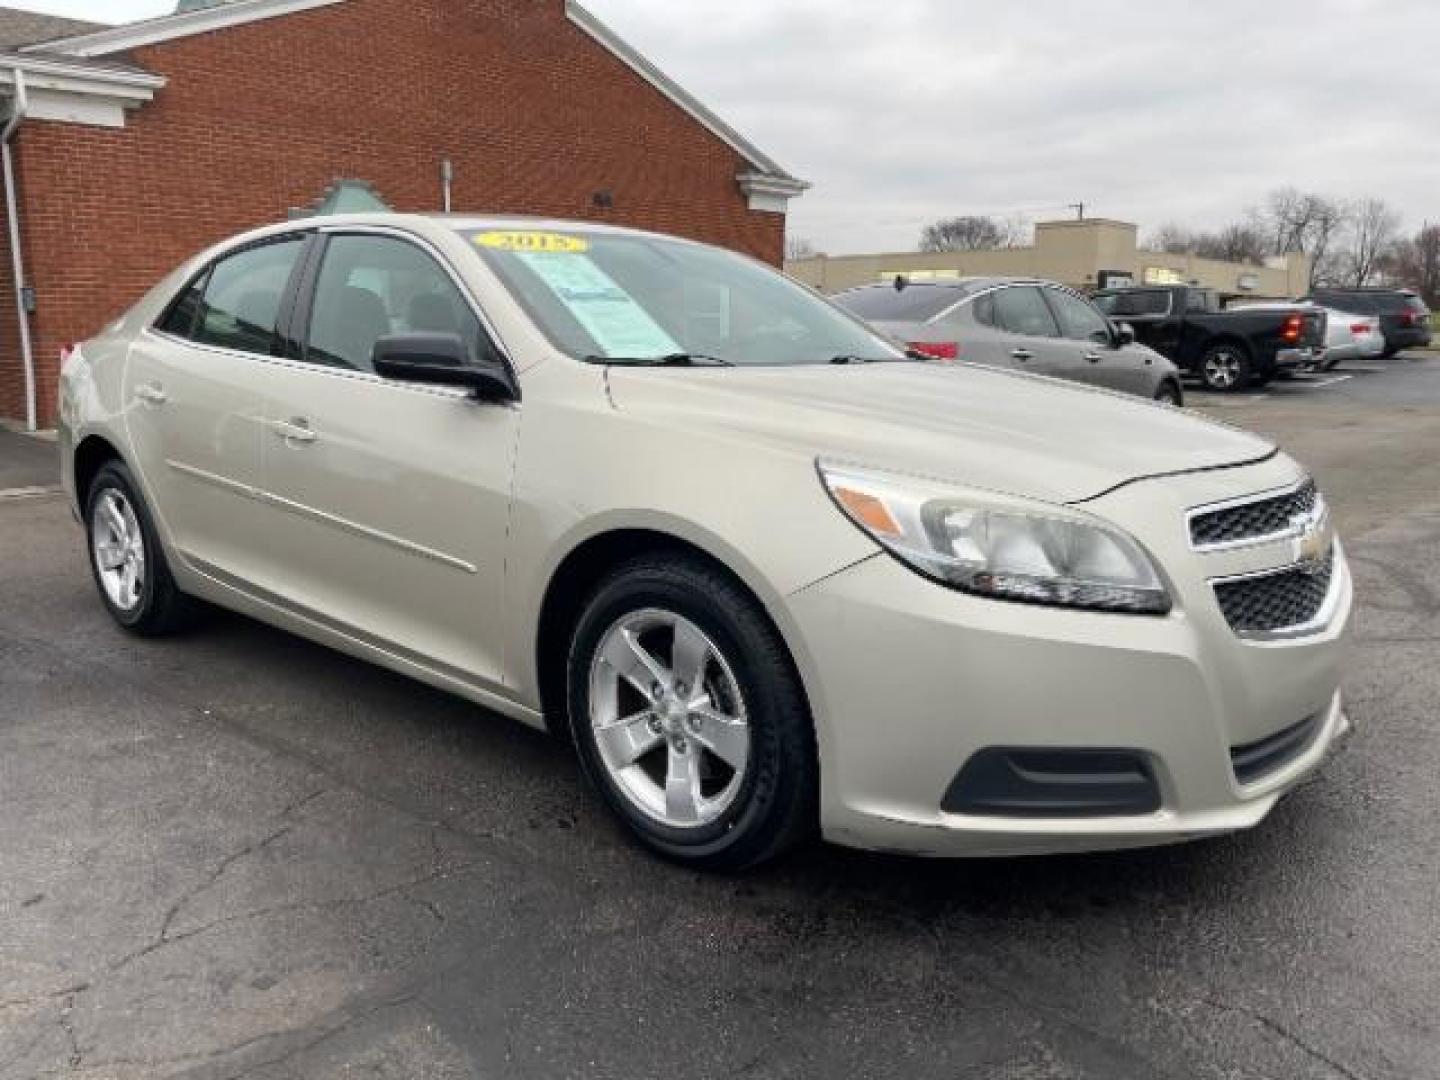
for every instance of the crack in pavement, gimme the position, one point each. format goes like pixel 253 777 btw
pixel 163 938
pixel 328 904
pixel 1276 1028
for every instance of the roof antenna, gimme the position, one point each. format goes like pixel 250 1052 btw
pixel 901 282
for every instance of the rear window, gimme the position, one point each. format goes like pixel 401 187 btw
pixel 1371 301
pixel 884 303
pixel 1138 304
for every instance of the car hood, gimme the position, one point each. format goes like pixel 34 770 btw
pixel 976 426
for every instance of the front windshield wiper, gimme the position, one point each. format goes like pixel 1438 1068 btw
pixel 672 360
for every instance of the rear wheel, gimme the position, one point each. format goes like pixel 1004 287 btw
pixel 689 718
pixel 127 560
pixel 1225 368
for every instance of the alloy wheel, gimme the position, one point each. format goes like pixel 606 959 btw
pixel 669 719
pixel 119 548
pixel 1222 369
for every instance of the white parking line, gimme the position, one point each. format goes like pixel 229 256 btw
pixel 1323 383
pixel 9 494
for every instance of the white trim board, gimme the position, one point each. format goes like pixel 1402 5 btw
pixel 168 27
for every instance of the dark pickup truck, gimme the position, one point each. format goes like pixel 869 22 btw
pixel 1226 350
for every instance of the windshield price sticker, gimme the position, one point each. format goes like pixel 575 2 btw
pixel 533 243
pixel 609 314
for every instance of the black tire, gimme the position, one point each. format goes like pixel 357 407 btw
pixel 775 805
pixel 1169 393
pixel 161 608
pixel 1226 368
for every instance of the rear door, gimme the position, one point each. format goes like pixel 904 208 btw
pixel 195 415
pixel 1030 336
pixel 389 502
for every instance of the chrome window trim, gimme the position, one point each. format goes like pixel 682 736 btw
pixel 1290 532
pixel 304 232
pixel 453 393
pixel 1322 619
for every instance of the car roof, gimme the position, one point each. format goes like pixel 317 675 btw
pixel 1363 289
pixel 963 286
pixel 450 222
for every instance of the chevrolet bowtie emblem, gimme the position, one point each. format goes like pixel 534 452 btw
pixel 1312 539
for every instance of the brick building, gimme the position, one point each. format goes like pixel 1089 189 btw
pixel 135 146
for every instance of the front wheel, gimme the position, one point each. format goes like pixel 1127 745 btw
pixel 689 718
pixel 1170 394
pixel 1225 369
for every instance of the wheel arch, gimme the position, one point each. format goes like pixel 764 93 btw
pixel 587 563
pixel 91 454
pixel 1245 345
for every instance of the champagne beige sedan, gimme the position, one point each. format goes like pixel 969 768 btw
pixel 771 576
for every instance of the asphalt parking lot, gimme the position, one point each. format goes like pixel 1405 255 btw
pixel 237 854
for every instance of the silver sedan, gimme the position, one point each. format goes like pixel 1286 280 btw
pixel 1018 323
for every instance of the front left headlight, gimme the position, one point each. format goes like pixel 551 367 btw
pixel 999 546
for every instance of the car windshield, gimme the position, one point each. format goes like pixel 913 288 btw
pixel 914 303
pixel 624 297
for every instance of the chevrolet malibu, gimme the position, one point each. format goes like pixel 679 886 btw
pixel 770 575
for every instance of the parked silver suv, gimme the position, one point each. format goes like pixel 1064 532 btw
pixel 766 572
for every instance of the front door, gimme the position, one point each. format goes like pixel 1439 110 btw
pixel 1091 353
pixel 388 503
pixel 194 412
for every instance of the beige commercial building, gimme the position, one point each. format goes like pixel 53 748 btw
pixel 1085 255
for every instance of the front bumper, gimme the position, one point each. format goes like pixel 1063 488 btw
pixel 912 680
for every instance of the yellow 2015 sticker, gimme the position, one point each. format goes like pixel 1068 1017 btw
pixel 538 243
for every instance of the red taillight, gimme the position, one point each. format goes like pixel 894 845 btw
pixel 1360 328
pixel 1294 326
pixel 1408 318
pixel 938 350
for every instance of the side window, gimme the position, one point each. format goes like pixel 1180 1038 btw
pixel 373 286
pixel 1078 320
pixel 985 309
pixel 1196 301
pixel 180 319
pixel 241 302
pixel 1022 310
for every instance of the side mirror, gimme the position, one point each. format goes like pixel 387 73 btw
pixel 441 360
pixel 1124 335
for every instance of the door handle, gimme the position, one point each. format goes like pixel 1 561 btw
pixel 1022 354
pixel 1094 358
pixel 151 394
pixel 294 431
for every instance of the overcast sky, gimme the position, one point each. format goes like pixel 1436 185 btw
pixel 1183 110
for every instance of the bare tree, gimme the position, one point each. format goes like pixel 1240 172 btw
pixel 1373 230
pixel 799 247
pixel 1238 243
pixel 1416 264
pixel 967 233
pixel 1304 223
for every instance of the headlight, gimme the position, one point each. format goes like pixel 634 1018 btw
pixel 998 546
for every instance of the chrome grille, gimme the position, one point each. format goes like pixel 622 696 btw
pixel 1253 520
pixel 1268 604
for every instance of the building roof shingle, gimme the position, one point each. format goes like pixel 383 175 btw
pixel 19 28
